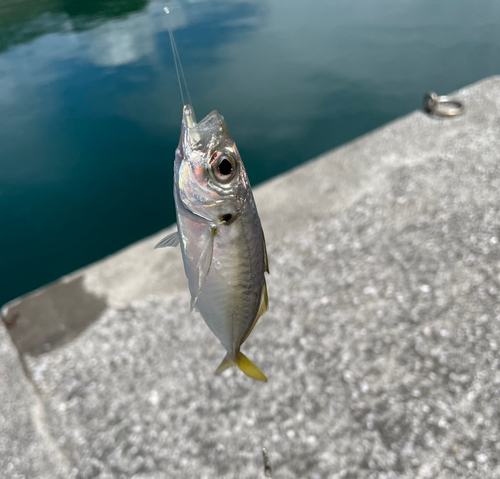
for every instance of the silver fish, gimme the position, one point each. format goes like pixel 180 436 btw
pixel 220 234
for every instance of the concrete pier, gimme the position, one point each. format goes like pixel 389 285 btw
pixel 381 343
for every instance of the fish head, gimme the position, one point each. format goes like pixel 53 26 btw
pixel 210 176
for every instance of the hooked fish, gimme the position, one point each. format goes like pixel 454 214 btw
pixel 220 234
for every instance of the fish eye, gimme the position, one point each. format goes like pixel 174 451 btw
pixel 223 167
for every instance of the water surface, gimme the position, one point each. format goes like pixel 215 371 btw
pixel 90 111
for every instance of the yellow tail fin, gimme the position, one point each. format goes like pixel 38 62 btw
pixel 249 368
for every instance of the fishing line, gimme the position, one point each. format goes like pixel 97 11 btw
pixel 181 79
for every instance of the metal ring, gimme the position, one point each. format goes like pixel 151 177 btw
pixel 442 105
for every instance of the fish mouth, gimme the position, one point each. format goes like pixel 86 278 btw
pixel 213 121
pixel 204 131
pixel 188 117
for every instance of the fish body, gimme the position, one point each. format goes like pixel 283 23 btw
pixel 220 235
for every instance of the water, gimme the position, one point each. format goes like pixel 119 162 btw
pixel 90 111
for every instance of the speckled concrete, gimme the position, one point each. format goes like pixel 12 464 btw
pixel 27 449
pixel 380 345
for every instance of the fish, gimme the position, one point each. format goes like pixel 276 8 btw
pixel 220 234
pixel 218 229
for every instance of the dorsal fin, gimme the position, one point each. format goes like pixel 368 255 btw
pixel 264 300
pixel 266 261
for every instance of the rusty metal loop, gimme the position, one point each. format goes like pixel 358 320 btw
pixel 442 105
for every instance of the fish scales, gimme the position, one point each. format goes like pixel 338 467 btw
pixel 230 297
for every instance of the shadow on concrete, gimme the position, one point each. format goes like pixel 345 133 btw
pixel 53 317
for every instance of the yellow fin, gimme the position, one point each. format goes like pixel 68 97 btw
pixel 264 302
pixel 226 363
pixel 249 368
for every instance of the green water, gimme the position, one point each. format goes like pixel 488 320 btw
pixel 90 111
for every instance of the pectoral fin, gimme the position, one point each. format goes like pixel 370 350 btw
pixel 197 249
pixel 205 250
pixel 172 240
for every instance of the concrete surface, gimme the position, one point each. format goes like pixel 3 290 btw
pixel 27 449
pixel 380 345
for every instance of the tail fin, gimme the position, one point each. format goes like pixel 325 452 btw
pixel 249 368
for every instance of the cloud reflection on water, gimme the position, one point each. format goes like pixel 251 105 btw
pixel 122 41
